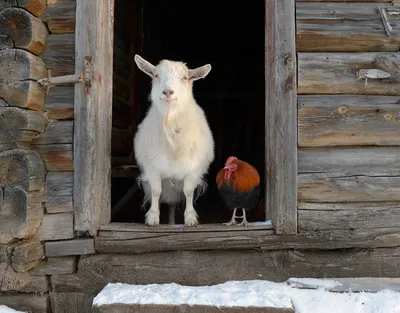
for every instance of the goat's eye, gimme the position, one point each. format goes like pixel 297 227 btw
pixel 156 76
pixel 184 78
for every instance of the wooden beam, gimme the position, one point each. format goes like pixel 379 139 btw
pixel 60 16
pixel 93 106
pixel 59 132
pixel 58 192
pixel 59 103
pixel 56 227
pixel 69 247
pixel 281 116
pixel 55 266
pixel 26 302
pixel 59 55
pixel 71 302
pixel 26 255
pixel 57 158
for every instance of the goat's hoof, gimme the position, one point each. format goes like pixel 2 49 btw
pixel 152 219
pixel 191 220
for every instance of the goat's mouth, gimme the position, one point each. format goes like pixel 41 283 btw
pixel 169 100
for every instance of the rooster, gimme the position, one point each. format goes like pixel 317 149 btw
pixel 239 187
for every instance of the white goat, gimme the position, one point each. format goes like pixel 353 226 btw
pixel 173 145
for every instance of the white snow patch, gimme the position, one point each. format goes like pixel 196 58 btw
pixel 313 283
pixel 254 293
pixel 6 309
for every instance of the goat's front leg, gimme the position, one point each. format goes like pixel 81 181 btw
pixel 190 215
pixel 153 215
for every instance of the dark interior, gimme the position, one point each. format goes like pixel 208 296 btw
pixel 227 34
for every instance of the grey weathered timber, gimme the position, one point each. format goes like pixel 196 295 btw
pixel 58 192
pixel 57 157
pixel 69 247
pixel 52 266
pixel 213 267
pixel 344 120
pixel 24 30
pixel 56 227
pixel 26 255
pixel 341 188
pixel 60 132
pixel 60 16
pixel 335 73
pixel 26 302
pixel 349 161
pixel 389 64
pixel 19 127
pixel 281 115
pixel 36 7
pixel 343 27
pixel 36 284
pixel 71 302
pixel 183 308
pixel 59 54
pixel 136 242
pixel 11 280
pixel 348 216
pixel 20 70
pixel 93 106
pixel 59 104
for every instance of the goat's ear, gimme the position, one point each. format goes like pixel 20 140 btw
pixel 199 72
pixel 144 66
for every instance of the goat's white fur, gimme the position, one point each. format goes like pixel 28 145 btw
pixel 173 145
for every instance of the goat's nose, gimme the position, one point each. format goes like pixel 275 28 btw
pixel 168 92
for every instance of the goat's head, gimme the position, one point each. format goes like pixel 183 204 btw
pixel 172 82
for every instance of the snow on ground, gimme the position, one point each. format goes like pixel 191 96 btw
pixel 6 309
pixel 256 293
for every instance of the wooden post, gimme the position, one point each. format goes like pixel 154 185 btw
pixel 93 104
pixel 281 115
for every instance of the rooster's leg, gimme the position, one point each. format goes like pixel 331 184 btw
pixel 233 219
pixel 244 220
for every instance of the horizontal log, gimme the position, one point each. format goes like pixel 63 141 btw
pixel 58 191
pixel 26 302
pixel 60 16
pixel 19 125
pixel 71 302
pixel 56 227
pixel 22 168
pixel 59 55
pixel 347 216
pixel 20 69
pixel 342 120
pixel 54 266
pixel 36 7
pixel 60 132
pixel 59 103
pixel 57 158
pixel 367 161
pixel 121 142
pixel 36 284
pixel 336 73
pixel 187 267
pixel 24 29
pixel 314 188
pixel 342 27
pixel 26 255
pixel 69 247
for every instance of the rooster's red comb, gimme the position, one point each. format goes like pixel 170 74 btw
pixel 231 159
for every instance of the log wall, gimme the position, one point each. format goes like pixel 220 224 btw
pixel 348 160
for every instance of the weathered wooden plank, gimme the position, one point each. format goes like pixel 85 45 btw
pixel 54 266
pixel 26 302
pixel 326 216
pixel 133 242
pixel 342 120
pixel 57 158
pixel 281 115
pixel 56 227
pixel 22 168
pixel 58 192
pixel 335 73
pixel 93 107
pixel 37 284
pixel 59 132
pixel 314 188
pixel 19 71
pixel 19 126
pixel 59 54
pixel 26 31
pixel 69 247
pixel 59 103
pixel 60 16
pixel 342 27
pixel 160 308
pixel 71 302
pixel 369 161
pixel 389 64
pixel 187 267
pixel 26 255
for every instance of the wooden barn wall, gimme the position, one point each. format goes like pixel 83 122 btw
pixel 348 129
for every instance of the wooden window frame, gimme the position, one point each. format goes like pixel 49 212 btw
pixel 93 109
